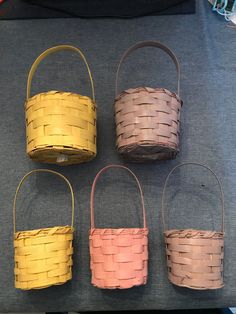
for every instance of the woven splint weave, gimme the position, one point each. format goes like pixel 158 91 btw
pixel 147 119
pixel 118 257
pixel 60 126
pixel 195 257
pixel 43 257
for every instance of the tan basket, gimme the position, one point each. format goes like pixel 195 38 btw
pixel 43 257
pixel 147 119
pixel 60 126
pixel 194 257
pixel 118 257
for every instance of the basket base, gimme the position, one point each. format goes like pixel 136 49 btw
pixel 147 152
pixel 61 156
pixel 196 288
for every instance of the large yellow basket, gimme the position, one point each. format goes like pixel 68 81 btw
pixel 43 257
pixel 60 126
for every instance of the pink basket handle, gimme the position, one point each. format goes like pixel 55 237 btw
pixel 150 44
pixel 217 179
pixel 93 191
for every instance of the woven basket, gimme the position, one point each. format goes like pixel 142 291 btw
pixel 195 257
pixel 147 119
pixel 43 257
pixel 118 257
pixel 60 126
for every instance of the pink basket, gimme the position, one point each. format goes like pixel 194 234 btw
pixel 118 257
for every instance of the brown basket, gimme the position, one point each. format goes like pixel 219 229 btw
pixel 118 257
pixel 147 119
pixel 195 257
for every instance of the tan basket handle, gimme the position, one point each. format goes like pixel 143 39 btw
pixel 93 191
pixel 50 171
pixel 50 51
pixel 150 44
pixel 219 184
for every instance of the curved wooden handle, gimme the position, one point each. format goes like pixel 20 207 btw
pixel 50 51
pixel 196 164
pixel 150 44
pixel 93 191
pixel 50 171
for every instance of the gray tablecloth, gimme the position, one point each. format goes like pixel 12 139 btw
pixel 206 50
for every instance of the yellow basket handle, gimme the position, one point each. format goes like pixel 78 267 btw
pixel 219 184
pixel 50 51
pixel 50 171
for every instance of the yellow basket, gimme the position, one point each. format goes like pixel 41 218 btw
pixel 60 126
pixel 43 257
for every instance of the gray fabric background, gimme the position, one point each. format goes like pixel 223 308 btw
pixel 206 50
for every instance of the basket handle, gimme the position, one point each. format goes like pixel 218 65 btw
pixel 93 191
pixel 150 44
pixel 50 51
pixel 43 170
pixel 217 179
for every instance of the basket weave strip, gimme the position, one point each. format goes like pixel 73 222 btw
pixel 147 123
pixel 43 257
pixel 195 257
pixel 119 257
pixel 59 122
pixel 60 126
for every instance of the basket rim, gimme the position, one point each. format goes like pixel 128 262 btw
pixel 191 233
pixel 59 91
pixel 42 231
pixel 118 230
pixel 118 96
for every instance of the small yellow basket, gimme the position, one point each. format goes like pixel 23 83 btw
pixel 60 126
pixel 43 257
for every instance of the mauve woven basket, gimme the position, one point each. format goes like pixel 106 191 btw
pixel 147 119
pixel 195 257
pixel 60 126
pixel 118 257
pixel 43 257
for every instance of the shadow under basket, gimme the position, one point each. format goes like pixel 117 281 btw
pixel 60 126
pixel 147 119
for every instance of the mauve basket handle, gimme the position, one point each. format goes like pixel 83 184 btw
pixel 50 171
pixel 217 179
pixel 150 44
pixel 50 51
pixel 93 191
